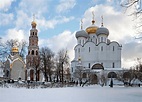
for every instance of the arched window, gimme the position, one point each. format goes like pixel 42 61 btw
pixel 112 75
pixel 36 52
pixel 32 52
pixel 28 52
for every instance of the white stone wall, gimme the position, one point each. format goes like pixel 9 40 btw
pixel 17 70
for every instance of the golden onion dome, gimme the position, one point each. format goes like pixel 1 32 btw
pixel 33 24
pixel 92 29
pixel 15 49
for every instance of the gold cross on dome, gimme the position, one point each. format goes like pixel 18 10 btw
pixel 93 14
pixel 33 17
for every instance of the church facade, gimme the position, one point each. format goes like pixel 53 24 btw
pixel 95 54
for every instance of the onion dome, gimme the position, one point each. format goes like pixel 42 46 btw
pixel 33 24
pixel 102 30
pixel 15 49
pixel 81 33
pixel 92 29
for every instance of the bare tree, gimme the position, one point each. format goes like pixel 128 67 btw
pixel 138 69
pixel 62 63
pixel 47 62
pixel 135 8
pixel 78 73
pixel 3 50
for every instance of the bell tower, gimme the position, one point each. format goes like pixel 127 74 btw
pixel 32 59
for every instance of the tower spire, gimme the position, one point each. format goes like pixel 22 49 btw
pixel 33 17
pixel 33 22
pixel 102 21
pixel 93 21
pixel 81 24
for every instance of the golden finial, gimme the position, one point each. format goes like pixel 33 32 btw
pixel 93 21
pixel 33 22
pixel 81 24
pixel 102 21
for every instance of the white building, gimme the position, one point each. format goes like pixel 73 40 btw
pixel 95 53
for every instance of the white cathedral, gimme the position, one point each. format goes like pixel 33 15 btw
pixel 95 54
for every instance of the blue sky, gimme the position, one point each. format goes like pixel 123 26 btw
pixel 58 20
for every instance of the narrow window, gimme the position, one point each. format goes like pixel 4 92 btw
pixel 89 49
pixel 79 41
pixel 72 69
pixel 113 65
pixel 78 50
pixel 32 52
pixel 96 41
pixel 33 33
pixel 101 48
pixel 28 52
pixel 113 48
pixel 89 65
pixel 36 52
pixel 101 39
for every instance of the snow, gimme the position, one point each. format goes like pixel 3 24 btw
pixel 72 94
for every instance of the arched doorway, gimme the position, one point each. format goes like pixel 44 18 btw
pixel 38 75
pixel 84 75
pixel 94 79
pixel 112 75
pixel 32 75
pixel 97 66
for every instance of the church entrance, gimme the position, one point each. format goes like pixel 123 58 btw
pixel 94 79
pixel 38 75
pixel 112 75
pixel 32 75
pixel 97 66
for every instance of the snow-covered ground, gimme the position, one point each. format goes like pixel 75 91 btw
pixel 72 94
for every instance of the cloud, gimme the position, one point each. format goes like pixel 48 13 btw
pixel 37 7
pixel 65 5
pixel 14 34
pixel 6 19
pixel 50 24
pixel 5 4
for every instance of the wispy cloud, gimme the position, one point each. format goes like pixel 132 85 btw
pixel 5 4
pixel 6 19
pixel 65 5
